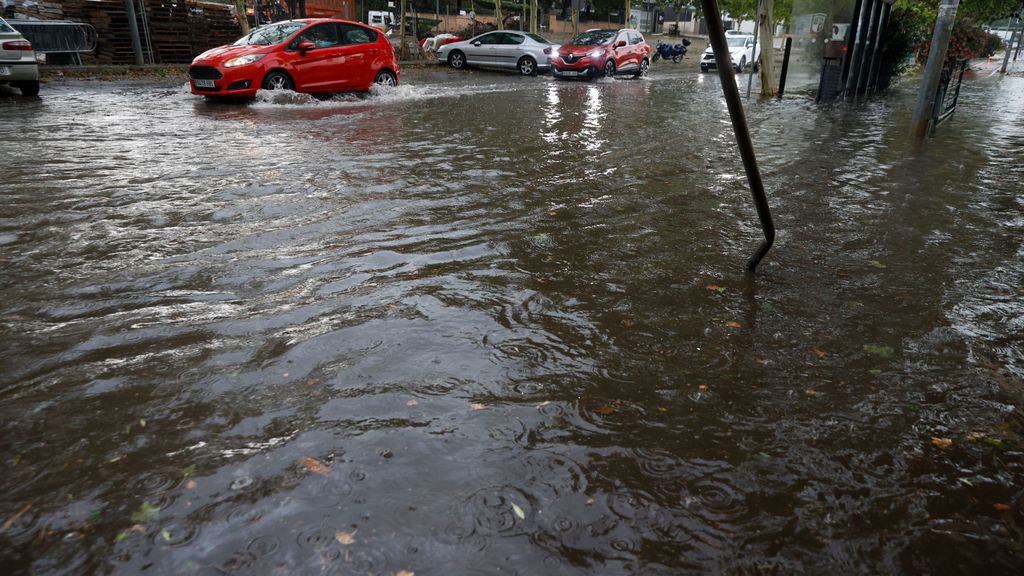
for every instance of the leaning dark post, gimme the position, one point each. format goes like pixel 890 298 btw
pixel 716 34
pixel 133 25
pixel 785 65
pixel 926 93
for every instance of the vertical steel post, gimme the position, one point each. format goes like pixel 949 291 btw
pixel 876 56
pixel 927 92
pixel 785 66
pixel 1006 56
pixel 757 28
pixel 851 35
pixel 870 46
pixel 133 24
pixel 858 48
pixel 716 34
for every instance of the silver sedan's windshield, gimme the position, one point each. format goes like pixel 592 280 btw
pixel 272 34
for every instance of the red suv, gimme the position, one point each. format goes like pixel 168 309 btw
pixel 596 53
pixel 316 55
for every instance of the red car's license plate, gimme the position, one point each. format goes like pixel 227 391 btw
pixel 204 83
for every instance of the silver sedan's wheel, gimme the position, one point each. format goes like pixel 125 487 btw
pixel 457 60
pixel 527 66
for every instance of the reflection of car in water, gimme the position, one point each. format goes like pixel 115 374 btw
pixel 741 50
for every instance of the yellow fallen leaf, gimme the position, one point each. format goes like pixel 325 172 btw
pixel 662 409
pixel 477 406
pixel 405 573
pixel 628 323
pixel 1001 507
pixel 703 387
pixel 942 443
pixel 589 502
pixel 811 392
pixel 190 485
pixel 732 324
pixel 819 353
pixel 345 538
pixel 975 436
pixel 314 465
pixel 411 403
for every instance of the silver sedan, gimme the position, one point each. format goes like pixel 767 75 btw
pixel 505 49
pixel 17 61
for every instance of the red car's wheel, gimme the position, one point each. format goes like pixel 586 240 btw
pixel 609 69
pixel 385 78
pixel 278 80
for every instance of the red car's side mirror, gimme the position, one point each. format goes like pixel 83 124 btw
pixel 306 46
pixel 620 43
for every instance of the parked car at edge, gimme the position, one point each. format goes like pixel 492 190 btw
pixel 313 55
pixel 741 50
pixel 18 66
pixel 597 53
pixel 505 49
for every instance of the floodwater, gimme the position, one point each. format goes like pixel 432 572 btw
pixel 484 324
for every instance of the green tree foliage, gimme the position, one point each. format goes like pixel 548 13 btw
pixel 979 10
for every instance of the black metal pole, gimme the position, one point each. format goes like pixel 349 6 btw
pixel 851 35
pixel 785 65
pixel 716 34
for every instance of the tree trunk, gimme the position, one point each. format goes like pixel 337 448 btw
pixel 533 16
pixel 629 10
pixel 401 33
pixel 242 20
pixel 497 14
pixel 767 42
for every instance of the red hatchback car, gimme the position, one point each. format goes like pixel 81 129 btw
pixel 596 53
pixel 316 56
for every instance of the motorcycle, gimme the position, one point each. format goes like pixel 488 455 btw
pixel 671 52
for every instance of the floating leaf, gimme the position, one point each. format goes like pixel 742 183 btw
pixel 345 538
pixel 879 350
pixel 165 535
pixel 411 403
pixel 995 442
pixel 876 264
pixel 703 387
pixel 942 443
pixel 477 406
pixel 405 573
pixel 146 513
pixel 190 485
pixel 314 465
pixel 519 511
pixel 120 536
pixel 605 410
pixel 716 288
pixel 811 392
pixel 188 471
pixel 589 502
pixel 733 324
pixel 1001 506
pixel 975 436
pixel 819 353
pixel 628 323
pixel 875 372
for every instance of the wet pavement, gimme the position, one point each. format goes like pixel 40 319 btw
pixel 485 324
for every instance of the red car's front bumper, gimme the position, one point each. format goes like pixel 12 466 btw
pixel 237 82
pixel 577 67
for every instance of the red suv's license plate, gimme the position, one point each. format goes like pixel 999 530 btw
pixel 204 83
pixel 569 73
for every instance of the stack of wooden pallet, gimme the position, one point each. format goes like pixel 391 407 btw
pixel 176 31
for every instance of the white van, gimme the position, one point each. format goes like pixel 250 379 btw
pixel 381 19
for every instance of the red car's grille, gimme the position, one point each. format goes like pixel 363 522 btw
pixel 204 73
pixel 571 58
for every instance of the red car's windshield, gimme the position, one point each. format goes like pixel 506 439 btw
pixel 593 38
pixel 271 34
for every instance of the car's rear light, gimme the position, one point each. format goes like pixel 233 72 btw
pixel 547 50
pixel 17 45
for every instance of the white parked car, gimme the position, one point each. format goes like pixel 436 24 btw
pixel 741 49
pixel 18 66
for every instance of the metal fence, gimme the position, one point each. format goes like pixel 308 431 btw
pixel 948 93
pixel 58 37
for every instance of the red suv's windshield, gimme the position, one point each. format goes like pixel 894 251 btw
pixel 593 38
pixel 272 34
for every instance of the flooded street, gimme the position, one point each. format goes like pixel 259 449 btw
pixel 483 324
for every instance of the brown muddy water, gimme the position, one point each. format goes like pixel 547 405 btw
pixel 492 325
